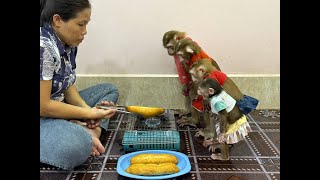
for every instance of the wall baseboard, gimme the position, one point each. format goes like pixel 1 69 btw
pixel 165 90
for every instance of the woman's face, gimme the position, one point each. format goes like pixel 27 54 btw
pixel 72 32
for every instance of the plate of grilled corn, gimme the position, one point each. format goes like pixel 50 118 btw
pixel 153 164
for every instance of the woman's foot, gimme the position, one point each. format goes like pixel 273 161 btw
pixel 97 147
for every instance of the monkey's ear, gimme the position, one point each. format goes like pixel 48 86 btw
pixel 189 50
pixel 201 69
pixel 211 91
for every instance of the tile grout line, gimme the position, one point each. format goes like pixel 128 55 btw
pixel 266 136
pixel 194 155
pixel 69 175
pixel 254 153
pixel 110 147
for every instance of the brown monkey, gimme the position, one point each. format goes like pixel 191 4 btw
pixel 205 68
pixel 189 52
pixel 233 125
pixel 169 41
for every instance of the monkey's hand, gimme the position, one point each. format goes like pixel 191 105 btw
pixel 205 133
pixel 182 113
pixel 184 121
pixel 222 137
pixel 212 143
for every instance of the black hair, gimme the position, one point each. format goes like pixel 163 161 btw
pixel 66 9
pixel 211 83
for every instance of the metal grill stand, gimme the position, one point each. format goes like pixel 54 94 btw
pixel 159 132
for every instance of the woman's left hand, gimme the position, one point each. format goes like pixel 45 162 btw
pixel 93 123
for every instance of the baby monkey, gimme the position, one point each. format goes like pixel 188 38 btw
pixel 233 125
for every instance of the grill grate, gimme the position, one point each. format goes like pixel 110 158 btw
pixel 159 132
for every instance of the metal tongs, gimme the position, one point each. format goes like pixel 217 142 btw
pixel 119 109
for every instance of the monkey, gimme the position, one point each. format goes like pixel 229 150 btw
pixel 205 68
pixel 233 125
pixel 189 52
pixel 169 41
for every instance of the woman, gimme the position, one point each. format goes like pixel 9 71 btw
pixel 70 125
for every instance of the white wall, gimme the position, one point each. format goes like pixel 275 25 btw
pixel 125 36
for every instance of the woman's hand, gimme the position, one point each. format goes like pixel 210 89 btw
pixel 93 123
pixel 103 113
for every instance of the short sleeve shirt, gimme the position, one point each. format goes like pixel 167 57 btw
pixel 222 101
pixel 57 63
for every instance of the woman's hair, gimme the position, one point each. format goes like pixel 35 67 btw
pixel 66 9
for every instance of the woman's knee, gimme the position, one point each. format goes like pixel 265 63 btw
pixel 111 91
pixel 64 144
pixel 110 87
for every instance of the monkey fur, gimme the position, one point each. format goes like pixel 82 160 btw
pixel 170 39
pixel 190 52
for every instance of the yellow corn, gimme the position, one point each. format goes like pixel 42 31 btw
pixel 153 169
pixel 145 111
pixel 153 159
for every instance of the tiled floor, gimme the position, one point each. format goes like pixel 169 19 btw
pixel 255 158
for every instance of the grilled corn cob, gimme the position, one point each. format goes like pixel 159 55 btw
pixel 153 159
pixel 145 111
pixel 152 169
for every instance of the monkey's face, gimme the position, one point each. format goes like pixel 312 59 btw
pixel 170 50
pixel 203 92
pixel 184 52
pixel 195 76
pixel 170 47
pixel 183 57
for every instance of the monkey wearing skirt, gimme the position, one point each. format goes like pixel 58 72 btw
pixel 233 125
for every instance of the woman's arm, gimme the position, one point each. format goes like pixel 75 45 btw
pixel 56 109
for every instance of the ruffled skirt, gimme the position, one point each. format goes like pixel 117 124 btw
pixel 237 131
